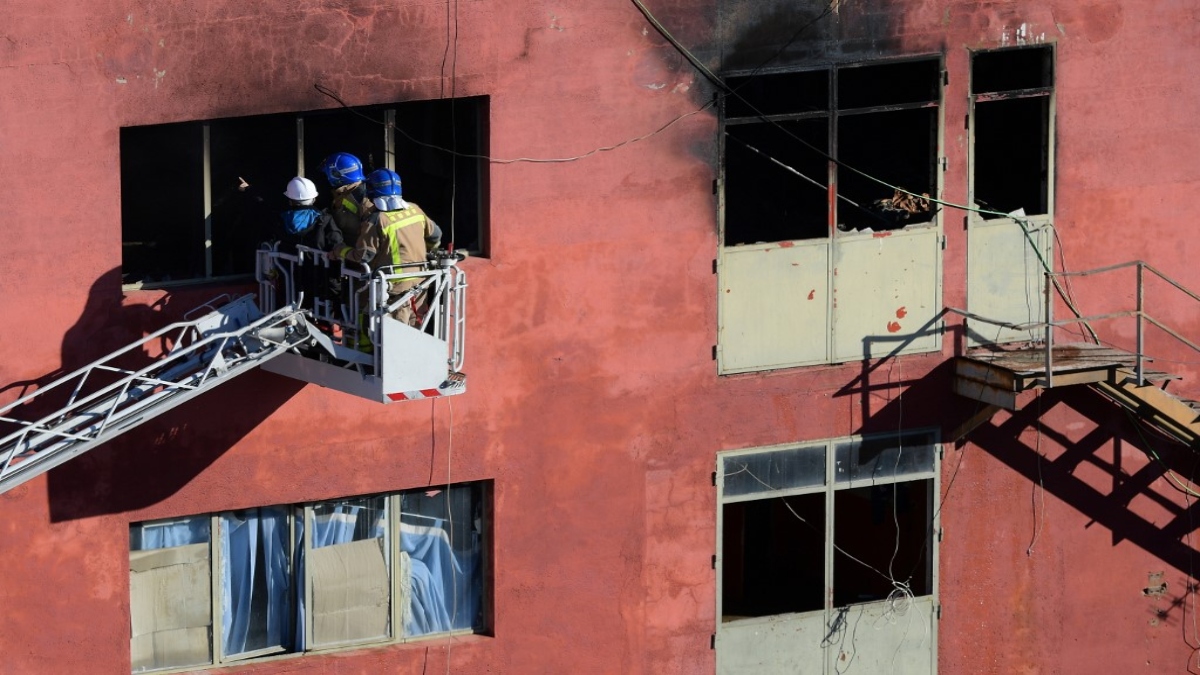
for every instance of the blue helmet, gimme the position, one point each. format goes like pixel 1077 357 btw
pixel 342 168
pixel 383 183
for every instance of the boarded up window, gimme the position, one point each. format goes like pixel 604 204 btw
pixel 170 588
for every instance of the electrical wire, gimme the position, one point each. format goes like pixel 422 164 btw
pixel 1041 486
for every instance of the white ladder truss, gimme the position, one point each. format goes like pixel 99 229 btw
pixel 104 399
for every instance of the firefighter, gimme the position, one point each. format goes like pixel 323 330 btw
pixel 305 226
pixel 348 205
pixel 396 233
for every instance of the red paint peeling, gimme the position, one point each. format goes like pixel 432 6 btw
pixel 786 244
pixel 812 294
pixel 901 313
pixel 881 235
pixel 893 326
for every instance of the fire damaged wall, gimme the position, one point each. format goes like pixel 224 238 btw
pixel 594 406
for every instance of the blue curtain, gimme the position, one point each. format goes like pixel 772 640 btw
pixel 255 606
pixel 168 534
pixel 444 587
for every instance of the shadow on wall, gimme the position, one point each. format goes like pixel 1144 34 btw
pixel 152 461
pixel 1101 449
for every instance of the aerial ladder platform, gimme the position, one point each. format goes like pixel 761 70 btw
pixel 295 326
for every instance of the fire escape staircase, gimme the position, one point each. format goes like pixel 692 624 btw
pixel 995 375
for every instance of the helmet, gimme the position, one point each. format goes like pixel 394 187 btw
pixel 300 189
pixel 342 168
pixel 383 183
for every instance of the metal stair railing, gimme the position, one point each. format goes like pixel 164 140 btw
pixel 204 352
pixel 1139 312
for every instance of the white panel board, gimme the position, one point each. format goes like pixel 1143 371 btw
pixel 1005 278
pixel 885 637
pixel 774 306
pixel 886 293
pixel 789 644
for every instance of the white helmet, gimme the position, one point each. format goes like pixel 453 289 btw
pixel 300 189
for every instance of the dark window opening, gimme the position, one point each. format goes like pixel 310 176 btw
pixel 1011 109
pixel 773 559
pixel 766 202
pixel 776 188
pixel 882 531
pixel 162 202
pixel 173 230
pixel 1012 69
pixel 261 151
pixel 804 91
pixel 889 84
pixel 897 147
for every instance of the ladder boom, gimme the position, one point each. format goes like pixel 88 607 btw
pixel 107 399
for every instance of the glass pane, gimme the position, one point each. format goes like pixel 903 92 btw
pixel 885 457
pixel 774 470
pixel 349 572
pixel 441 559
pixel 170 594
pixel 256 581
pixel 162 203
pixel 882 534
pixel 773 556
pixel 775 186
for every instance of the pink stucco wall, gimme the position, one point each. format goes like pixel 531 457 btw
pixel 594 403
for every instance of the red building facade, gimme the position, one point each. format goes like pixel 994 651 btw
pixel 700 287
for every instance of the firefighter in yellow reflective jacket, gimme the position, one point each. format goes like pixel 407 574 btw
pixel 348 207
pixel 396 233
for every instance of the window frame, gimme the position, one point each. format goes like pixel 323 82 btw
pixel 815 262
pixel 389 139
pixel 398 596
pixel 830 486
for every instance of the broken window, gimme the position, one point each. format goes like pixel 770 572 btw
pixel 185 217
pixel 1012 96
pixel 296 579
pixel 826 525
pixel 792 166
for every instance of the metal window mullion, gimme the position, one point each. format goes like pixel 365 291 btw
pixel 398 594
pixel 830 493
pixel 309 523
pixel 389 139
pixel 216 560
pixel 207 173
pixel 831 236
pixel 299 145
pixel 774 494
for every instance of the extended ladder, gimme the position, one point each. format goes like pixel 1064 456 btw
pixel 79 411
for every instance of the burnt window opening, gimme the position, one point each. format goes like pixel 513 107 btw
pixel 884 124
pixel 185 218
pixel 1011 94
pixel 773 556
pixel 783 554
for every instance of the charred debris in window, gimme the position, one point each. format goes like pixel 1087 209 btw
pixel 880 119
